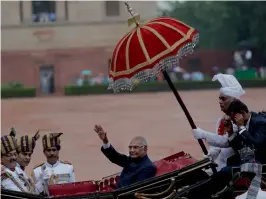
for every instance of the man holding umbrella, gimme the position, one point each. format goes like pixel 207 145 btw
pixel 230 90
pixel 248 141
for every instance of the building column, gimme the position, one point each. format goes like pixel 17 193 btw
pixel 27 11
pixel 60 10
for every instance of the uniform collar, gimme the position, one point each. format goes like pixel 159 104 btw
pixel 247 124
pixel 9 170
pixel 52 166
pixel 19 170
pixel 19 166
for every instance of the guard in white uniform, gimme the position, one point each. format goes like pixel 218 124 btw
pixel 12 177
pixel 230 90
pixel 53 171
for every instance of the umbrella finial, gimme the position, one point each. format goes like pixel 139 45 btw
pixel 135 16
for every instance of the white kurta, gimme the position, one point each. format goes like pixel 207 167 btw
pixel 261 195
pixel 64 172
pixel 220 155
pixel 18 182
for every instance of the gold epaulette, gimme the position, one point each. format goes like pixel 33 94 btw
pixel 65 162
pixel 38 165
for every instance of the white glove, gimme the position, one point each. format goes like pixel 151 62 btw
pixel 39 186
pixel 199 133
pixel 46 174
pixel 213 153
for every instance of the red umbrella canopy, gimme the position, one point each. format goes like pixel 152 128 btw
pixel 148 49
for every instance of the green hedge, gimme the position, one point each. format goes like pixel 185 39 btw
pixel 160 86
pixel 17 92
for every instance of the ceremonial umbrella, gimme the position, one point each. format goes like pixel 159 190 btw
pixel 148 49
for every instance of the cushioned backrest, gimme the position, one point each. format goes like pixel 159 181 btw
pixel 73 188
pixel 164 166
pixel 109 183
pixel 242 183
pixel 104 186
pixel 183 162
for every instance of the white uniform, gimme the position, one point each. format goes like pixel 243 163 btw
pixel 61 172
pixel 18 165
pixel 16 180
pixel 218 154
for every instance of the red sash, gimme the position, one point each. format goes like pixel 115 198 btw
pixel 221 127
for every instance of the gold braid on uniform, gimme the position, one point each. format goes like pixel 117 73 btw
pixel 65 162
pixel 53 179
pixel 30 185
pixel 7 175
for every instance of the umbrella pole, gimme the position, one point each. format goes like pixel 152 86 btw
pixel 183 106
pixel 180 101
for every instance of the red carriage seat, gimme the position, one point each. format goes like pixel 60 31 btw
pixel 109 183
pixel 245 183
pixel 104 187
pixel 164 166
pixel 73 188
pixel 173 162
pixel 242 183
pixel 182 159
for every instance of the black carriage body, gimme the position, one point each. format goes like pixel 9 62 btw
pixel 169 184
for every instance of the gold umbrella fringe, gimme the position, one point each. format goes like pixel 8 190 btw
pixel 128 84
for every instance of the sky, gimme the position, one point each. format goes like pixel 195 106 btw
pixel 162 4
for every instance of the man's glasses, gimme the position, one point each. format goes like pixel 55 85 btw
pixel 134 147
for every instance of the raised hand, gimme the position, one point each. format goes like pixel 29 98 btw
pixel 101 133
pixel 239 120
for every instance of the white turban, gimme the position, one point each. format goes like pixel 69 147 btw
pixel 230 85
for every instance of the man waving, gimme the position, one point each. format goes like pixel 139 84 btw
pixel 136 167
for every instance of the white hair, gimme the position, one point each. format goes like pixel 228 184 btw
pixel 141 139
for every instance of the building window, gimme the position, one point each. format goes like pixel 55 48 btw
pixel 21 11
pixel 43 11
pixel 112 8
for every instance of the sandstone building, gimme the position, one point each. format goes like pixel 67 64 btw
pixel 62 37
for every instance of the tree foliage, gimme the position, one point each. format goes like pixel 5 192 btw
pixel 224 25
